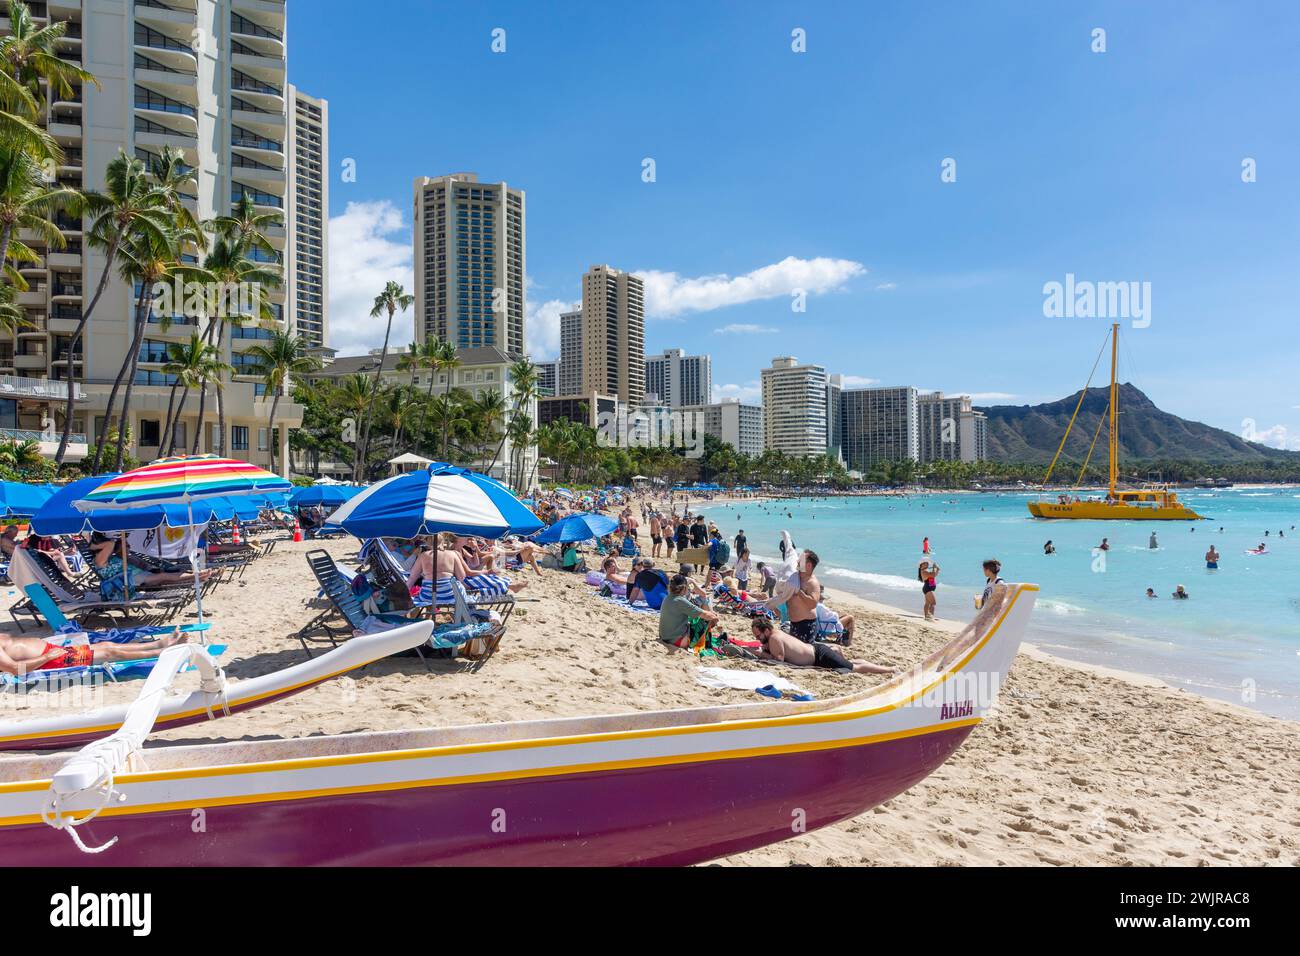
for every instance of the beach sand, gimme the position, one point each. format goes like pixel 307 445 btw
pixel 1077 766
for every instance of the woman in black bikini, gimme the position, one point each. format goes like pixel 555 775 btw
pixel 927 573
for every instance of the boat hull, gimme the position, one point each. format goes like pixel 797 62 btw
pixel 1101 511
pixel 670 787
pixel 674 815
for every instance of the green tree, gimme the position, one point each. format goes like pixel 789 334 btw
pixel 280 358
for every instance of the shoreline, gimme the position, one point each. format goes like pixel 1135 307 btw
pixel 1034 651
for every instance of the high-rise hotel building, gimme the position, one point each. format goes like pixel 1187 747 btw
pixel 308 157
pixel 469 263
pixel 879 425
pixel 679 379
pixel 794 408
pixel 208 77
pixel 613 334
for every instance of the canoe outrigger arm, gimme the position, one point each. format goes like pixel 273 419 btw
pixel 91 769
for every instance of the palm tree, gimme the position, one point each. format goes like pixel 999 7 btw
pixel 486 413
pixel 185 363
pixel 131 205
pixel 280 358
pixel 447 361
pixel 147 260
pixel 27 203
pixel 354 394
pixel 29 54
pixel 523 378
pixel 521 434
pixel 390 301
pixel 230 265
pixel 29 57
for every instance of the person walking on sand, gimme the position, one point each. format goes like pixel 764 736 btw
pixel 927 572
pixel 656 535
pixel 1212 559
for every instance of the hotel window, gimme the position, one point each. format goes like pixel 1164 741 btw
pixel 150 430
pixel 239 437
pixel 261 439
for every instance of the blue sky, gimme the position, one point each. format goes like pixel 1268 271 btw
pixel 822 170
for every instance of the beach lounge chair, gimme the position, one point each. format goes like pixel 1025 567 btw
pixel 337 589
pixel 479 643
pixel 33 568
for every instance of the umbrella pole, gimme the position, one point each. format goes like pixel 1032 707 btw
pixel 194 564
pixel 126 575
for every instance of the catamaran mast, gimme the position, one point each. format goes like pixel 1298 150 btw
pixel 1114 406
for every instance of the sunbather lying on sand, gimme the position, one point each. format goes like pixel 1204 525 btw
pixel 778 646
pixel 20 656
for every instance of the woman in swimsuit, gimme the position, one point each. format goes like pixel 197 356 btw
pixel 926 573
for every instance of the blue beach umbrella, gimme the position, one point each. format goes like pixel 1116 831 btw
pixel 580 527
pixel 58 516
pixel 439 498
pixel 18 498
pixel 326 495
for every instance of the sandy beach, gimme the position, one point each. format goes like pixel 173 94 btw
pixel 1078 766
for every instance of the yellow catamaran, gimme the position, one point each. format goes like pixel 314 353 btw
pixel 1151 502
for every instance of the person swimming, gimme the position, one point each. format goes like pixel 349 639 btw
pixel 1049 548
pixel 1151 592
pixel 1180 592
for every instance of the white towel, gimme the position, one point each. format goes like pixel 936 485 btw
pixel 719 678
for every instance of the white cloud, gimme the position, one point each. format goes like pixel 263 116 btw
pixel 857 381
pixel 667 294
pixel 543 328
pixel 370 245
pixel 751 393
pixel 886 287
pixel 1275 437
pixel 742 328
pixel 989 396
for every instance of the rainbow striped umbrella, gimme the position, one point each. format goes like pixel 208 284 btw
pixel 182 481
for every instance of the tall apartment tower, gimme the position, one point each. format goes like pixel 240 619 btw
pixel 548 377
pixel 613 334
pixel 879 424
pixel 570 377
pixel 223 103
pixel 834 417
pixel 950 429
pixel 679 379
pixel 794 407
pixel 469 263
pixel 308 220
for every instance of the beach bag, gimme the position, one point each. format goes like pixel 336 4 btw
pixel 724 552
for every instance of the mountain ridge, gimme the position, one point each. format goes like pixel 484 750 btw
pixel 1031 433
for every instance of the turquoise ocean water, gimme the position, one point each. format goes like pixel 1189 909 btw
pixel 1237 638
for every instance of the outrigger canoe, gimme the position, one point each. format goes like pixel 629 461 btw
pixel 671 787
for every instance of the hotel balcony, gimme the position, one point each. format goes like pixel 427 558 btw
pixel 156 138
pixel 62 324
pixel 66 258
pixel 35 296
pixel 65 129
pixel 32 360
pixel 173 13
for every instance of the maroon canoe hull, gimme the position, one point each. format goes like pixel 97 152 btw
pixel 665 815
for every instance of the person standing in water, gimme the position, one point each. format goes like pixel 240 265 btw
pixel 1212 559
pixel 927 572
pixel 1105 545
pixel 1153 544
pixel 1049 548
pixel 925 545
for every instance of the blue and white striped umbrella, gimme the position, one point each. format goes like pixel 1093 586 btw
pixel 440 498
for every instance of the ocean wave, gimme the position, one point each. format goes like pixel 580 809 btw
pixel 1061 607
pixel 892 581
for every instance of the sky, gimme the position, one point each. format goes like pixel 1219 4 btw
pixel 923 171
